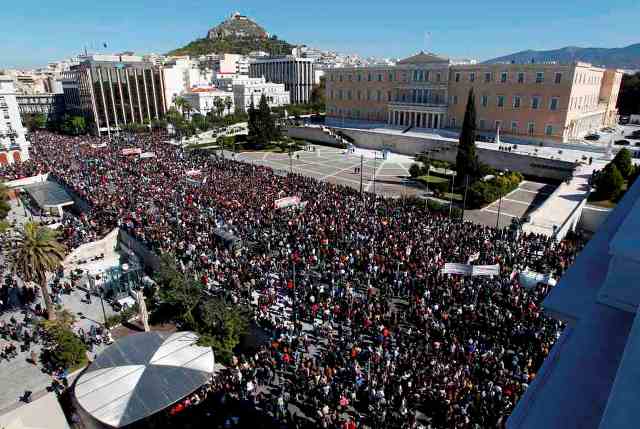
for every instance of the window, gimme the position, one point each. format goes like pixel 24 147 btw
pixel 379 77
pixel 520 77
pixel 457 80
pixel 453 122
pixel 455 99
pixel 482 124
pixel 331 94
pixel 498 124
pixel 472 77
pixel 539 77
pixel 349 95
pixel 331 77
pixel 514 127
pixel 503 77
pixel 516 101
pixel 350 78
pixel 368 95
pixel 500 101
pixel 415 75
pixel 554 104
pixel 359 77
pixel 426 76
pixel 340 94
pixel 369 77
pixel 359 95
pixel 548 130
pixel 531 128
pixel 535 103
pixel 484 100
pixel 487 77
pixel 388 95
pixel 558 78
pixel 438 77
pixel 340 77
pixel 379 96
pixel 390 77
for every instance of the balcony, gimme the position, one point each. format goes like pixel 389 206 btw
pixel 429 106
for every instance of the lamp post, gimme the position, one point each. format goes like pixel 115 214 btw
pixel 361 164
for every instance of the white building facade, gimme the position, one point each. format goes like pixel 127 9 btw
pixel 205 99
pixel 182 74
pixel 247 90
pixel 14 146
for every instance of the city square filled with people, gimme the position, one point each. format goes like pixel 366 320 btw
pixel 364 328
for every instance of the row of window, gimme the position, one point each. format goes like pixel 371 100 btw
pixel 516 102
pixel 519 77
pixel 363 77
pixel 369 95
pixel 584 102
pixel 515 127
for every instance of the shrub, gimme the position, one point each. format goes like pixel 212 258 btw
pixel 415 170
pixel 623 162
pixel 482 193
pixel 609 182
pixel 65 349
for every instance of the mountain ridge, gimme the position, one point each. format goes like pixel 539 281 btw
pixel 627 57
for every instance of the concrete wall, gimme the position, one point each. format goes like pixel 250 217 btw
pixel 411 145
pixel 311 134
pixel 105 246
pixel 149 258
pixel 592 217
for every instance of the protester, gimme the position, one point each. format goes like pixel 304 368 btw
pixel 369 329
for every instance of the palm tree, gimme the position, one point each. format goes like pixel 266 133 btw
pixel 219 106
pixel 228 104
pixel 37 253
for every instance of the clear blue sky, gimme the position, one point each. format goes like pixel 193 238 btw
pixel 34 32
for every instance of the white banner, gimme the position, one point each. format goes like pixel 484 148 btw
pixel 96 146
pixel 147 155
pixel 530 279
pixel 286 202
pixel 132 151
pixel 486 270
pixel 471 270
pixel 192 173
pixel 463 269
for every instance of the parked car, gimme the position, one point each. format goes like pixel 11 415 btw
pixel 592 137
pixel 622 142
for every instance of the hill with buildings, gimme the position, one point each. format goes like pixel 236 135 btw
pixel 623 58
pixel 236 35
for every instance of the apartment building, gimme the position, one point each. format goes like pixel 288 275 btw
pixel 539 102
pixel 13 143
pixel 115 90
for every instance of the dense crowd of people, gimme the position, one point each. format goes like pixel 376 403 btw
pixel 365 327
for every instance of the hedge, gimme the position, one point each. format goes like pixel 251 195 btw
pixel 482 193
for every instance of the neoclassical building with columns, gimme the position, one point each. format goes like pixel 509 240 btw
pixel 538 102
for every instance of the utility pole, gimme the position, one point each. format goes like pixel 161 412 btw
pixel 361 163
pixel 499 208
pixel 464 202
pixel 375 167
pixel 451 195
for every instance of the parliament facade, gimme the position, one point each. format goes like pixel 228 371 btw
pixel 540 102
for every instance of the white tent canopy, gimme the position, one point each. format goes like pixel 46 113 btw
pixel 142 374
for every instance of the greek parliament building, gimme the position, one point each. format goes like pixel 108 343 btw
pixel 297 75
pixel 539 102
pixel 115 90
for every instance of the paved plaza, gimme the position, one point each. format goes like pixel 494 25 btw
pixel 339 166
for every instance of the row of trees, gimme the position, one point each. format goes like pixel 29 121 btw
pixel 67 124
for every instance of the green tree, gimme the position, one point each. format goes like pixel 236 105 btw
pixel 35 121
pixel 37 252
pixel 228 104
pixel 624 163
pixel 220 106
pixel 158 124
pixel 609 182
pixel 467 159
pixel 221 326
pixel 64 348
pixel 200 122
pixel 317 99
pixel 179 294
